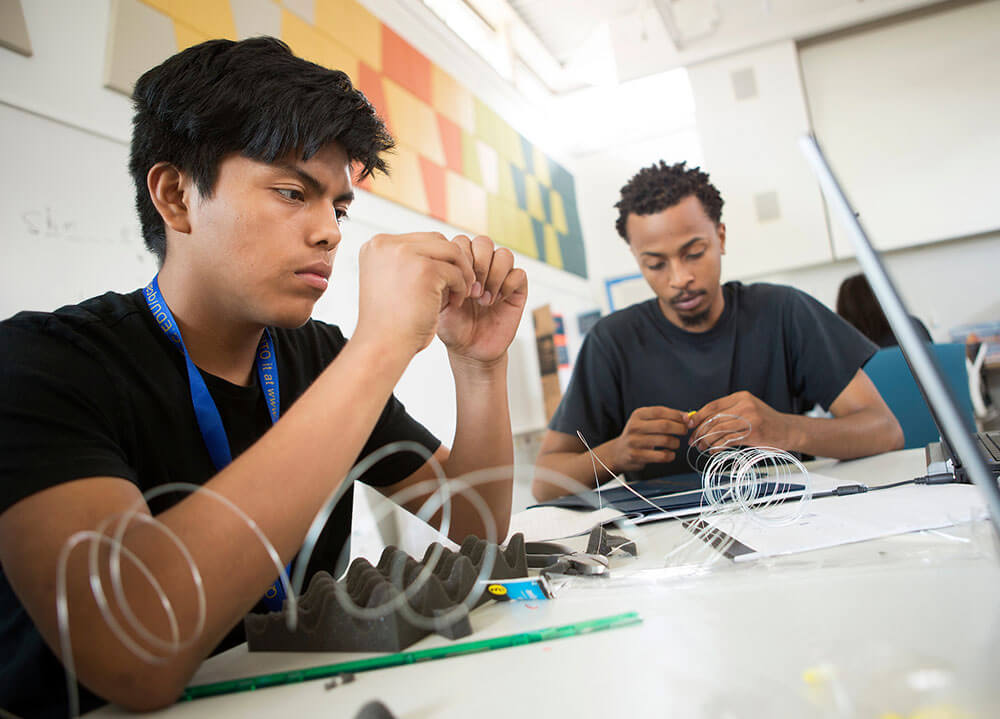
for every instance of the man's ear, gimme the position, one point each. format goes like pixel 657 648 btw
pixel 170 194
pixel 721 230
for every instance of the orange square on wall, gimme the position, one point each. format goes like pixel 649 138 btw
pixel 369 81
pixel 434 188
pixel 404 65
pixel 451 142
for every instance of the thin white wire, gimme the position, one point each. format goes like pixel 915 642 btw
pixel 716 447
pixel 62 609
pixel 440 499
pixel 733 483
pixel 319 522
pixel 117 547
pixel 97 589
pixel 401 601
pixel 621 482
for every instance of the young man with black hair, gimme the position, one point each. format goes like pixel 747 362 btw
pixel 706 363
pixel 243 159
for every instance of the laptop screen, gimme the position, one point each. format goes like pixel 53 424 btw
pixel 927 374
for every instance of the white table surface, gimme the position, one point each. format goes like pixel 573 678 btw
pixel 886 627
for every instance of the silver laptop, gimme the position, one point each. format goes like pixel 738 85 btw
pixel 959 441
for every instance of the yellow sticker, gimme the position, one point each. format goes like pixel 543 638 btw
pixel 497 589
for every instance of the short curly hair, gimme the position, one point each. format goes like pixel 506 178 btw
pixel 659 186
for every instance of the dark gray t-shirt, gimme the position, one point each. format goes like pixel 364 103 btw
pixel 775 342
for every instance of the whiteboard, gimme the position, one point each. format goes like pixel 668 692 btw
pixel 67 219
pixel 907 114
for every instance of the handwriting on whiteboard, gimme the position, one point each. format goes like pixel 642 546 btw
pixel 48 223
pixel 45 222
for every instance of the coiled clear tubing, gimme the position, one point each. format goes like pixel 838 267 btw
pixel 763 485
pixel 154 649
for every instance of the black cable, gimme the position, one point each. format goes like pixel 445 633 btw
pixel 938 479
pixel 895 484
pixel 861 488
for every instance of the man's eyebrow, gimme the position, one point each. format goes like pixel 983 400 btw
pixel 313 184
pixel 687 245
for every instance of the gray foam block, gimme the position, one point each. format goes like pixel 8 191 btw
pixel 325 625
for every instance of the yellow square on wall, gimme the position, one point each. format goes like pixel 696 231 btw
pixel 213 18
pixel 353 27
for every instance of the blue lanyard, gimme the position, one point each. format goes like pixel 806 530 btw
pixel 205 410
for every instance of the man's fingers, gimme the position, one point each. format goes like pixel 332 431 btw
pixel 435 246
pixel 454 285
pixel 705 413
pixel 464 244
pixel 515 284
pixel 722 434
pixel 503 263
pixel 653 456
pixel 658 412
pixel 659 426
pixel 723 405
pixel 482 260
pixel 652 441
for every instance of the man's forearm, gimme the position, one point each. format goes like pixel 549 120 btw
pixel 483 441
pixel 577 466
pixel 280 482
pixel 858 434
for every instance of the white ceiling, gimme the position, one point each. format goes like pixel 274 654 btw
pixel 589 59
pixel 596 40
pixel 563 26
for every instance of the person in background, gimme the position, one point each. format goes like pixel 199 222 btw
pixel 243 158
pixel 856 303
pixel 704 363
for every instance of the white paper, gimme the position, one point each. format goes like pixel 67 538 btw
pixel 544 524
pixel 832 521
pixel 378 522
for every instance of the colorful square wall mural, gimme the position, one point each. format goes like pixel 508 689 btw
pixel 457 160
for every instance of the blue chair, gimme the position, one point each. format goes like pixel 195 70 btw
pixel 891 376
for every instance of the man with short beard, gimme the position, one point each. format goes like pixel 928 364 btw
pixel 706 364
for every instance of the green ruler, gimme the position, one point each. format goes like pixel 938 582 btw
pixel 263 681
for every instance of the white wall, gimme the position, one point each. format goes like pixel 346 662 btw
pixel 64 77
pixel 751 151
pixel 907 115
pixel 68 228
pixel 944 284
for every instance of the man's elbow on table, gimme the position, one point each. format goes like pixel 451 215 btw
pixel 893 432
pixel 140 687
pixel 542 489
pixel 556 470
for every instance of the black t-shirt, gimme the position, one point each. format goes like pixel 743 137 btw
pixel 97 389
pixel 775 342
